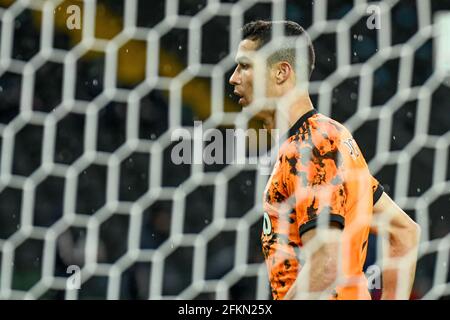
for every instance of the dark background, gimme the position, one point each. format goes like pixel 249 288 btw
pixel 153 122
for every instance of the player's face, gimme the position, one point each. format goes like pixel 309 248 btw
pixel 242 77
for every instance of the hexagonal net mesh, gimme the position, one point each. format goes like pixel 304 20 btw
pixel 92 91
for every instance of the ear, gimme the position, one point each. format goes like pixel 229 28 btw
pixel 283 72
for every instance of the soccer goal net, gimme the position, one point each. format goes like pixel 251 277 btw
pixel 96 98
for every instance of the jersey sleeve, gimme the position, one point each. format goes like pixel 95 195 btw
pixel 316 179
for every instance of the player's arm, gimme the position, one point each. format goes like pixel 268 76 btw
pixel 319 273
pixel 318 187
pixel 401 238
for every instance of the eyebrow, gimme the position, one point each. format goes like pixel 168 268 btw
pixel 243 60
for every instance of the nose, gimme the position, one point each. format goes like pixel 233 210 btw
pixel 234 79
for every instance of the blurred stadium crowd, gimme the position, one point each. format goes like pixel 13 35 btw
pixel 153 122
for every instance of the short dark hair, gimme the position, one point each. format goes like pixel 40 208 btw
pixel 261 31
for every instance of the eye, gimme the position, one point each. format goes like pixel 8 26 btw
pixel 244 66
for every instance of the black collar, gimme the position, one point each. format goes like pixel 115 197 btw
pixel 273 153
pixel 297 125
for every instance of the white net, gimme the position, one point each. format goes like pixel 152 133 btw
pixel 86 123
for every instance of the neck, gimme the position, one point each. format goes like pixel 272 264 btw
pixel 297 109
pixel 291 108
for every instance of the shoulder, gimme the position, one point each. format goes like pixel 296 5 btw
pixel 319 134
pixel 319 137
pixel 327 128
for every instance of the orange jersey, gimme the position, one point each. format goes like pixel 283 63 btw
pixel 320 172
